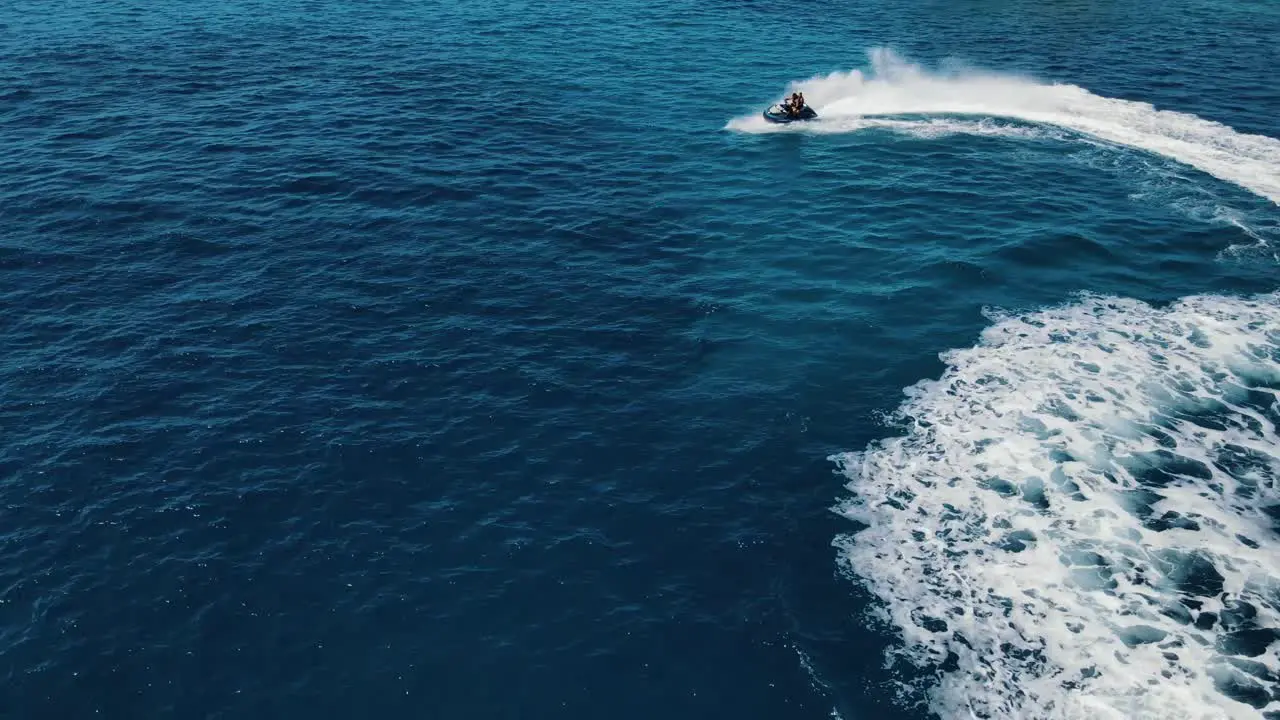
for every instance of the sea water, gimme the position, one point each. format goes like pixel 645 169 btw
pixel 431 359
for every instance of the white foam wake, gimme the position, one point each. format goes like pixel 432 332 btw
pixel 854 100
pixel 1078 522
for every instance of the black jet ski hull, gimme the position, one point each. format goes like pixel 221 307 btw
pixel 776 115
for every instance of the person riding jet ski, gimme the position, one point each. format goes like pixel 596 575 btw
pixel 791 109
pixel 794 105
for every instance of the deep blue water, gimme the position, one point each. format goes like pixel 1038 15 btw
pixel 436 359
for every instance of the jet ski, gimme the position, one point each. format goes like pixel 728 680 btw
pixel 775 114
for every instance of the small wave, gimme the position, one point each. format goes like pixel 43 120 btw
pixel 851 101
pixel 1081 519
pixel 1257 245
pixel 943 127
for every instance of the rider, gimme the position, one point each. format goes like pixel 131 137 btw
pixel 792 105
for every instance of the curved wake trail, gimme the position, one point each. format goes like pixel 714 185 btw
pixel 852 101
pixel 1081 518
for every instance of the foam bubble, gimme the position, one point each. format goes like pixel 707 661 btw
pixel 1081 519
pixel 851 101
